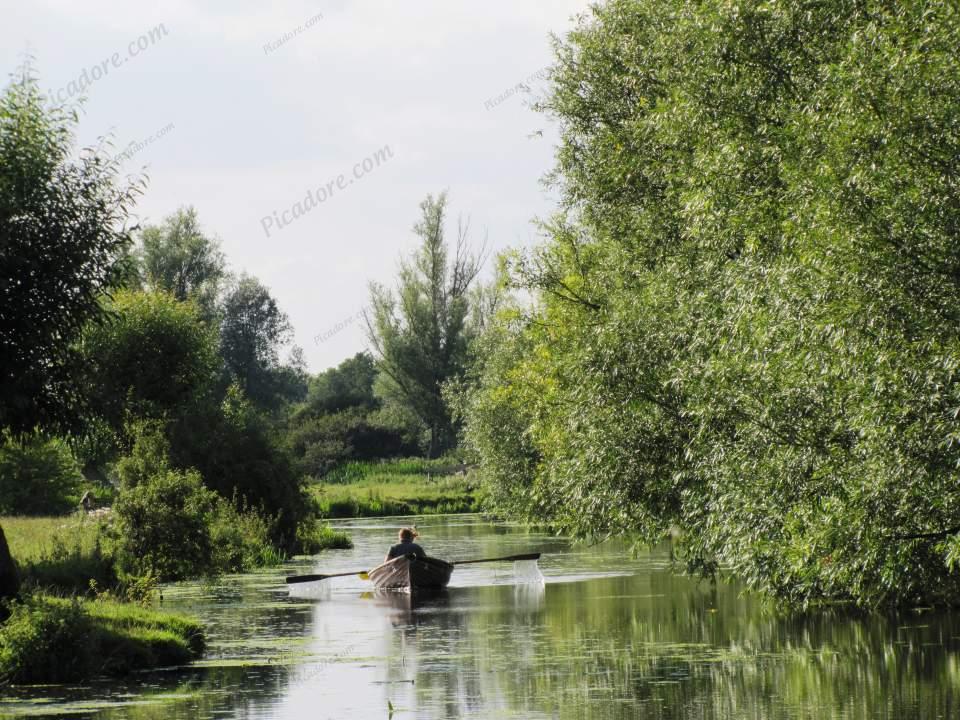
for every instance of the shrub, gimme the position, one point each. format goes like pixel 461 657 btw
pixel 163 526
pixel 241 539
pixel 38 475
pixel 236 451
pixel 322 443
pixel 53 640
pixel 313 536
pixel 46 640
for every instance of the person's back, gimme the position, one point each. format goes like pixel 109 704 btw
pixel 406 546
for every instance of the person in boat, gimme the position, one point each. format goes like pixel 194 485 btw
pixel 406 546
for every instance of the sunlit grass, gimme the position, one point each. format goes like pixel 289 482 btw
pixel 401 487
pixel 49 639
pixel 34 538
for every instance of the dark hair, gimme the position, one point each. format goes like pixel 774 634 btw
pixel 408 534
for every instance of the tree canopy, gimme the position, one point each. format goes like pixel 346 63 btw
pixel 63 234
pixel 178 258
pixel 745 324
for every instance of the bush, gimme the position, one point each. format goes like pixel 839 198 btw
pixel 313 536
pixel 38 475
pixel 46 640
pixel 322 443
pixel 163 526
pixel 241 539
pixel 235 450
pixel 53 640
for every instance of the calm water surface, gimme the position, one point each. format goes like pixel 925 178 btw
pixel 605 636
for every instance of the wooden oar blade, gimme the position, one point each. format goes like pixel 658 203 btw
pixel 362 574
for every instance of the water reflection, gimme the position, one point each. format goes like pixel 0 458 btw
pixel 605 637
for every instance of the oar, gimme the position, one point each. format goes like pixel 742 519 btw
pixel 364 576
pixel 528 556
pixel 313 578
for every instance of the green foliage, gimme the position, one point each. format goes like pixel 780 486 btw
pixel 313 536
pixel 342 419
pixel 422 334
pixel 395 469
pixel 38 475
pixel 252 331
pixel 63 240
pixel 52 640
pixel 349 385
pixel 163 526
pixel 177 258
pixel 241 539
pixel 412 486
pixel 746 324
pixel 322 443
pixel 155 358
pixel 239 454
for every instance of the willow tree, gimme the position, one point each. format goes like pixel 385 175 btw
pixel 746 323
pixel 63 242
pixel 421 332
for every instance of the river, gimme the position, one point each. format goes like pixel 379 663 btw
pixel 604 634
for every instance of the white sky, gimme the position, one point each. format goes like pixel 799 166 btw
pixel 253 131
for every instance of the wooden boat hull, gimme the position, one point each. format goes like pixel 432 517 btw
pixel 411 573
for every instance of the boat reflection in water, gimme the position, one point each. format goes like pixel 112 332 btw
pixel 424 606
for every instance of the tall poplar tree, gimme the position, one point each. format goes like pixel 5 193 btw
pixel 420 332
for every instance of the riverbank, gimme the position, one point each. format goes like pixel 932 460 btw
pixel 66 553
pixel 48 639
pixel 397 487
pixel 79 617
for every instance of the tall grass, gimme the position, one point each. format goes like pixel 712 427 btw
pixel 399 487
pixel 357 470
pixel 60 553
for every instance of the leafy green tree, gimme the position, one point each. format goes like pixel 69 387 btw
pixel 350 384
pixel 745 322
pixel 163 515
pixel 253 329
pixel 63 230
pixel 155 358
pixel 178 258
pixel 421 333
pixel 240 453
pixel 343 419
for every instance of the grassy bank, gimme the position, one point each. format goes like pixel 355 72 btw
pixel 399 487
pixel 48 639
pixel 53 639
pixel 63 554
pixel 60 553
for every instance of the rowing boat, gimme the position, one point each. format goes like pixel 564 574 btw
pixel 410 573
